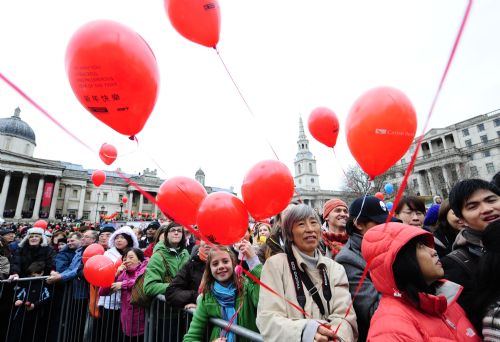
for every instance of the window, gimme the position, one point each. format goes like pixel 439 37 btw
pixel 120 197
pixel 104 196
pixel 415 183
pixel 87 195
pixel 484 139
pixel 86 215
pixel 480 127
pixel 498 134
pixel 75 194
pixel 300 169
pixel 310 167
pixel 497 122
pixel 473 171
pixel 490 168
pixel 59 193
pixel 486 153
pixel 300 181
pixel 468 143
pixel 312 180
pixel 470 157
pixel 465 132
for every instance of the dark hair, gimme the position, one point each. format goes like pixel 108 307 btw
pixel 36 267
pixel 407 273
pixel 130 242
pixel 139 253
pixel 464 190
pixel 77 235
pixel 442 223
pixel 413 202
pixel 172 224
pixel 351 228
pixel 208 280
pixel 496 179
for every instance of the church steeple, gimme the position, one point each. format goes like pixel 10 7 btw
pixel 306 175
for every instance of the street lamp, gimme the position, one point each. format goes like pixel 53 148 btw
pixel 121 210
pixel 97 207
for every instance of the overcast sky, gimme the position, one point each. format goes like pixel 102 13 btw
pixel 288 57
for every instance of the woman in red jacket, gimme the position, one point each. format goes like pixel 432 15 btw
pixel 417 304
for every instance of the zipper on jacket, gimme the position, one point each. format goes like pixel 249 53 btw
pixel 450 323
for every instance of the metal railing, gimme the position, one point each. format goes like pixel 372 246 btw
pixel 62 312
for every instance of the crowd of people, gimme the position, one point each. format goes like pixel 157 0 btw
pixel 353 273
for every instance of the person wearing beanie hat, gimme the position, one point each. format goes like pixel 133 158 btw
pixel 364 214
pixel 432 215
pixel 105 232
pixel 151 229
pixel 334 237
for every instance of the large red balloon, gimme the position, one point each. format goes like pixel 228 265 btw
pixel 324 126
pixel 380 128
pixel 267 189
pixel 196 20
pixel 98 177
pixel 180 198
pixel 40 224
pixel 222 218
pixel 114 74
pixel 91 250
pixel 108 153
pixel 99 271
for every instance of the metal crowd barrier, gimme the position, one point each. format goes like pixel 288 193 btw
pixel 69 312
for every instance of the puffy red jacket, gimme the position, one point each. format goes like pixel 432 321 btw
pixel 439 317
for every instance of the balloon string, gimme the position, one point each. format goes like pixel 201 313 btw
pixel 340 165
pixel 43 111
pixel 431 110
pixel 245 101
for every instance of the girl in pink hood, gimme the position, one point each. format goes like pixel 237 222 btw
pixel 132 317
pixel 417 304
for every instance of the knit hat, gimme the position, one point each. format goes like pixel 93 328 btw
pixel 107 228
pixel 36 230
pixel 5 231
pixel 332 204
pixel 432 215
pixel 153 225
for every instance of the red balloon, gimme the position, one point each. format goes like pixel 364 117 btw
pixel 99 271
pixel 98 177
pixel 380 196
pixel 114 74
pixel 40 224
pixel 196 20
pixel 267 189
pixel 108 153
pixel 126 211
pixel 91 250
pixel 124 200
pixel 180 198
pixel 324 126
pixel 222 218
pixel 380 128
pixel 118 263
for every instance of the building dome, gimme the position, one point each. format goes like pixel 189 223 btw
pixel 16 127
pixel 200 172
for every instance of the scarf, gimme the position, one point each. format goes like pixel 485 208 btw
pixel 334 241
pixel 226 297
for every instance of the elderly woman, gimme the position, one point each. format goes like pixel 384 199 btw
pixel 297 273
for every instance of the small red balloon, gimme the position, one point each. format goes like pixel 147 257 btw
pixel 99 270
pixel 124 200
pixel 118 263
pixel 180 198
pixel 108 153
pixel 114 74
pixel 222 218
pixel 40 224
pixel 91 250
pixel 196 20
pixel 98 177
pixel 380 128
pixel 267 189
pixel 324 126
pixel 380 196
pixel 126 211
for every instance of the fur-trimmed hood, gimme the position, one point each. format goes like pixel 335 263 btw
pixel 44 243
pixel 123 230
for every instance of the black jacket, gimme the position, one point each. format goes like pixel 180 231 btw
pixel 24 256
pixel 184 287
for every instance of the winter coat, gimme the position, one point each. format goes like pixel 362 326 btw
pixel 208 307
pixel 34 292
pixel 437 318
pixel 183 289
pixel 154 279
pixel 279 321
pixel 132 317
pixel 74 273
pixel 367 299
pixel 443 241
pixel 24 256
pixel 4 267
pixel 113 301
pixel 63 258
pixel 469 243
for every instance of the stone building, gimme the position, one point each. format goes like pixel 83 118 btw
pixel 33 188
pixel 467 149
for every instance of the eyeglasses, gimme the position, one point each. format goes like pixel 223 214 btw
pixel 175 230
pixel 413 212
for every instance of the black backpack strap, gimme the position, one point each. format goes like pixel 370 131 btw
pixel 463 259
pixel 300 277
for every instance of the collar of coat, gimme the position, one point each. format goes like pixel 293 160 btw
pixel 302 263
